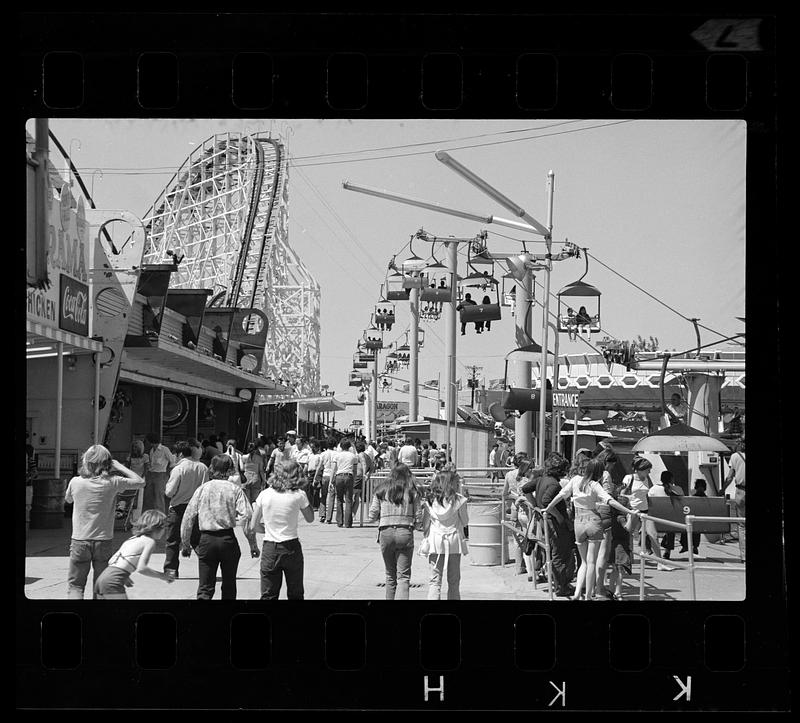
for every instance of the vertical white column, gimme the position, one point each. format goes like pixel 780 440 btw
pixel 523 441
pixel 59 406
pixel 450 340
pixel 413 406
pixel 96 435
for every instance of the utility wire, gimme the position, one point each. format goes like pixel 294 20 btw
pixel 472 145
pixel 339 219
pixel 654 298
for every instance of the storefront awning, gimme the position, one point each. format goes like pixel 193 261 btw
pixel 42 338
pixel 175 363
pixel 311 404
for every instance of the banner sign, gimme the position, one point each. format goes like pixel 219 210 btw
pixel 68 251
pixel 74 298
pixel 388 412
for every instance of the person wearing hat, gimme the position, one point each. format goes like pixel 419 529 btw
pixel 218 343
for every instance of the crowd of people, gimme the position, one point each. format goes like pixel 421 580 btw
pixel 196 494
pixel 593 512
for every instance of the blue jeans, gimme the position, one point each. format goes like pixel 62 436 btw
pixel 344 499
pixel 397 548
pixel 84 554
pixel 436 563
pixel 280 559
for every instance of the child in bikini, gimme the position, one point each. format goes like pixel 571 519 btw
pixel 133 556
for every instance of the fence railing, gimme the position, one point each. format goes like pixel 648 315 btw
pixel 691 565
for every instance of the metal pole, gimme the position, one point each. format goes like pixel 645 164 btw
pixel 413 406
pixel 96 435
pixel 690 544
pixel 450 339
pixel 59 406
pixel 374 399
pixel 545 321
pixel 523 440
pixel 642 551
pixel 555 442
pixel 575 433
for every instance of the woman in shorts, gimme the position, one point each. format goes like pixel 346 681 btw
pixel 586 493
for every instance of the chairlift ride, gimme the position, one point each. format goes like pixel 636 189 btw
pixel 384 314
pixel 373 338
pixel 586 299
pixel 357 363
pixel 395 291
pixel 356 379
pixel 487 310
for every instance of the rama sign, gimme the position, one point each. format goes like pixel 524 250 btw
pixel 65 303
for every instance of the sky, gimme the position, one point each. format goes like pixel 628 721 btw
pixel 660 203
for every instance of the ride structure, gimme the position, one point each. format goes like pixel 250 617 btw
pixel 226 211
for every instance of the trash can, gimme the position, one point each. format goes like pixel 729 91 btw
pixel 485 532
pixel 47 505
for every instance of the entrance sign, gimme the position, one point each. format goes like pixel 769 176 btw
pixel 565 400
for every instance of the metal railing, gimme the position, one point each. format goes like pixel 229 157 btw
pixel 537 519
pixel 691 565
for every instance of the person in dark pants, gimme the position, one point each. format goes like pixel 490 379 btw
pixel 547 488
pixel 218 506
pixel 185 478
pixel 345 465
pixel 278 507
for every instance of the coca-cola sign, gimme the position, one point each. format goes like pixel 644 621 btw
pixel 74 306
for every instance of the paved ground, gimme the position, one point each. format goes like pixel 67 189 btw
pixel 345 564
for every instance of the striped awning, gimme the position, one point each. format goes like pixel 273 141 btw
pixel 40 335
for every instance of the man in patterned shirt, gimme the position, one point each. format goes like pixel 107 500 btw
pixel 219 505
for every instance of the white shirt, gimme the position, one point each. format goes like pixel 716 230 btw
pixel 492 456
pixel 279 512
pixel 371 451
pixel 586 500
pixel 408 455
pixel 346 462
pixel 638 494
pixel 159 459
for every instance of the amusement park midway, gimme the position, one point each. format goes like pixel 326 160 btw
pixel 521 341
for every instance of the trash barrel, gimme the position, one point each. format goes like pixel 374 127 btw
pixel 485 532
pixel 47 506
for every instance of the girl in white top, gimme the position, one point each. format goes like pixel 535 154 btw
pixel 279 506
pixel 586 493
pixel 444 516
pixel 636 487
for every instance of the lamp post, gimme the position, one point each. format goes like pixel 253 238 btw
pixel 545 320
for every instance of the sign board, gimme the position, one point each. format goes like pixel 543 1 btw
pixel 68 251
pixel 356 423
pixel 566 400
pixel 631 427
pixel 388 412
pixel 74 306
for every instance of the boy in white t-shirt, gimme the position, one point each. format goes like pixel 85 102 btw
pixel 278 508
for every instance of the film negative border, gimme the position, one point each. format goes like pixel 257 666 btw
pixel 157 654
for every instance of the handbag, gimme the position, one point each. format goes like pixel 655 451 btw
pixel 424 547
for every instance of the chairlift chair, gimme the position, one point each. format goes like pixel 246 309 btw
pixel 482 312
pixel 384 316
pixel 575 297
pixel 373 338
pixel 355 379
pixel 357 363
pixel 395 291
